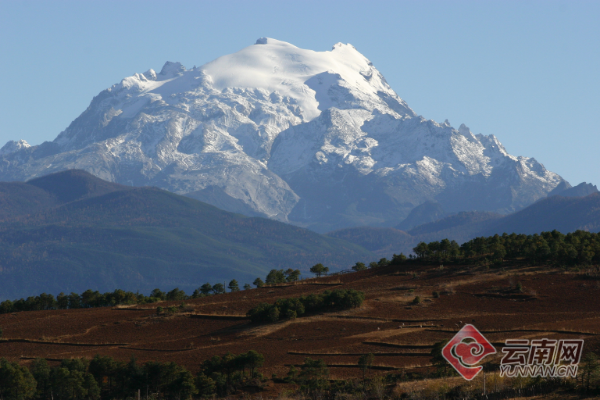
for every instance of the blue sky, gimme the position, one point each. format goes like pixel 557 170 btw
pixel 525 71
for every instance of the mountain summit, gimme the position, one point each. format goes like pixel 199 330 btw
pixel 318 139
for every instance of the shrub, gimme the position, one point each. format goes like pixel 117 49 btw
pixel 416 300
pixel 519 287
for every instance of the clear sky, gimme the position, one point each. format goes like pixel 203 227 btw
pixel 525 71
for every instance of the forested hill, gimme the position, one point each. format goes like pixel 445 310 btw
pixel 565 214
pixel 87 233
pixel 20 198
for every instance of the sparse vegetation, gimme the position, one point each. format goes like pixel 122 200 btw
pixel 519 287
pixel 519 282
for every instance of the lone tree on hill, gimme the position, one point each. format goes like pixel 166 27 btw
pixel 206 289
pixel 218 288
pixel 359 267
pixel 258 283
pixel 319 269
pixel 247 286
pixel 233 286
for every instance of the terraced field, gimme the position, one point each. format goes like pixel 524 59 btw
pixel 553 304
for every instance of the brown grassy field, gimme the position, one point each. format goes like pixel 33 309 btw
pixel 553 304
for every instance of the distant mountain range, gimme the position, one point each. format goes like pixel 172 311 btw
pixel 564 212
pixel 71 231
pixel 318 139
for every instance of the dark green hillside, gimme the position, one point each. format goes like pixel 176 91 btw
pixel 18 198
pixel 142 238
pixel 464 223
pixel 374 239
pixel 565 214
pixel 74 184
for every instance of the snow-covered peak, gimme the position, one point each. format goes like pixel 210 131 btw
pixel 288 133
pixel 271 41
pixel 11 146
pixel 280 67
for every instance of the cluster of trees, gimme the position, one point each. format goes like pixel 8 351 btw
pixel 87 299
pixel 221 375
pixel 397 259
pixel 90 298
pixel 579 247
pixel 276 276
pixel 103 377
pixel 313 375
pixel 290 308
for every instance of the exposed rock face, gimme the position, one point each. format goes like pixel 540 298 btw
pixel 318 139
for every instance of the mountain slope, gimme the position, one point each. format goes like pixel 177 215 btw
pixel 52 190
pixel 315 138
pixel 427 212
pixel 142 238
pixel 565 214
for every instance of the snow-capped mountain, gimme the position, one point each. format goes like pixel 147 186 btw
pixel 314 138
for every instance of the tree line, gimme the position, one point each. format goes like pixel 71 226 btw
pixel 293 307
pixel 91 299
pixel 105 378
pixel 579 247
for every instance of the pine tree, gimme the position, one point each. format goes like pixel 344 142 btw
pixel 206 289
pixel 258 283
pixel 319 269
pixel 359 266
pixel 233 286
pixel 218 288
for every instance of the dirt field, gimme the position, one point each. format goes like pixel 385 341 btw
pixel 553 304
